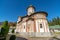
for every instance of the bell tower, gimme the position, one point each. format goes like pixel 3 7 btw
pixel 30 10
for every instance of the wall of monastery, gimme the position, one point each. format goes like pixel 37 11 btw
pixel 44 25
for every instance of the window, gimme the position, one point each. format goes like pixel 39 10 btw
pixel 24 26
pixel 40 25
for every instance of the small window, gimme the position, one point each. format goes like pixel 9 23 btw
pixel 24 26
pixel 40 25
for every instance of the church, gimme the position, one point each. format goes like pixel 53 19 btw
pixel 33 22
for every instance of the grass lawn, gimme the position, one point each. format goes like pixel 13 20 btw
pixel 56 32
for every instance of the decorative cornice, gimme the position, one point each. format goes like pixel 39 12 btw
pixel 41 12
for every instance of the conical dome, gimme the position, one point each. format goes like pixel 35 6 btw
pixel 30 9
pixel 30 6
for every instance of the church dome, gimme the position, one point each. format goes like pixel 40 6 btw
pixel 31 6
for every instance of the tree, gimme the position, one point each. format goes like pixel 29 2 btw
pixel 54 21
pixel 5 28
pixel 13 30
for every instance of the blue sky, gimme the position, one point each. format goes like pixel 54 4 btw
pixel 11 9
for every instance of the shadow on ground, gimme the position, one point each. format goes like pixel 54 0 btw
pixel 54 38
pixel 20 38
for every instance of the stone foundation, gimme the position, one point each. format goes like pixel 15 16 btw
pixel 35 34
pixel 39 38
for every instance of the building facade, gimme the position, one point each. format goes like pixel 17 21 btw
pixel 33 21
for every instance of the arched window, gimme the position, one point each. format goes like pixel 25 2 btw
pixel 24 26
pixel 40 25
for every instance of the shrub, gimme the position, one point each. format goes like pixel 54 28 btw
pixel 2 38
pixel 13 37
pixel 13 30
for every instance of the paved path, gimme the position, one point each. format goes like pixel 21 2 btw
pixel 53 38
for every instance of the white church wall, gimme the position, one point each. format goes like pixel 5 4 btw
pixel 41 30
pixel 38 21
pixel 36 26
pixel 17 28
pixel 41 22
pixel 30 25
pixel 24 27
pixel 46 26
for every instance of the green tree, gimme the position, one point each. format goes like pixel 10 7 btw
pixel 13 30
pixel 54 21
pixel 5 28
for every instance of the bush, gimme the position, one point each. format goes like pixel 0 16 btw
pixel 2 38
pixel 13 37
pixel 13 30
pixel 5 28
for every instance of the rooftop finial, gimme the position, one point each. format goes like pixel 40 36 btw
pixel 30 5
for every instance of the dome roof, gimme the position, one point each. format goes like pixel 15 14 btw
pixel 30 6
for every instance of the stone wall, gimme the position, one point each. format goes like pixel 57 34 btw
pixel 39 38
pixel 35 34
